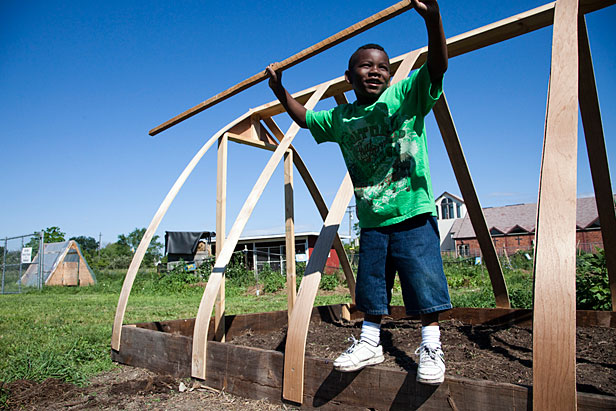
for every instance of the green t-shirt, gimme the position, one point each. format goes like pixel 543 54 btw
pixel 384 147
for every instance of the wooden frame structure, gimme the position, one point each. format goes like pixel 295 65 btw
pixel 554 301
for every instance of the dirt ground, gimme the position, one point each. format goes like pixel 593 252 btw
pixel 480 352
pixel 127 388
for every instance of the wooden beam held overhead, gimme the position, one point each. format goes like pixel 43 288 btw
pixel 305 54
pixel 488 35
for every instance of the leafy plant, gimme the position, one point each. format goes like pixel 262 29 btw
pixel 329 282
pixel 272 280
pixel 592 283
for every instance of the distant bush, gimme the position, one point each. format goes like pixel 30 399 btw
pixel 329 282
pixel 522 260
pixel 272 280
pixel 592 283
pixel 237 274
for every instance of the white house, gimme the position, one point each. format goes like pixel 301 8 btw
pixel 448 208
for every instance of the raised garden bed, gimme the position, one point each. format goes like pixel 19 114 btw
pixel 488 354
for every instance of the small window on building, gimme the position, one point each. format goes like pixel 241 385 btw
pixel 447 209
pixel 269 256
pixel 458 211
pixel 463 250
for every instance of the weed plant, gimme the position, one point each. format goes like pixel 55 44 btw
pixel 592 283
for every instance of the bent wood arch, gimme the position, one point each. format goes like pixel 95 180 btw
pixel 200 332
pixel 295 347
pixel 149 233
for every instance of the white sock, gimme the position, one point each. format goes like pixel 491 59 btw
pixel 371 333
pixel 431 335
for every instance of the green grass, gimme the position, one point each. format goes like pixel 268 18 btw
pixel 65 332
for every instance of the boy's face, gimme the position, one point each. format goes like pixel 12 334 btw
pixel 369 75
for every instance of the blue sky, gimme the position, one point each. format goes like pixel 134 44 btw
pixel 81 83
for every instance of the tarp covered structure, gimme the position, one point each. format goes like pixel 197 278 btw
pixel 184 244
pixel 63 264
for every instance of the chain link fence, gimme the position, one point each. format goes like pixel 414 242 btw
pixel 20 255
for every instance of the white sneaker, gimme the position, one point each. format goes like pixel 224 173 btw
pixel 431 369
pixel 359 355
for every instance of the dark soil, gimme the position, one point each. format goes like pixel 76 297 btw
pixel 125 388
pixel 481 352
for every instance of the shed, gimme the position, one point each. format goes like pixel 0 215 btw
pixel 63 264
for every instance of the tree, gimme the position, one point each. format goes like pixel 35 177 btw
pixel 52 235
pixel 88 245
pixel 129 243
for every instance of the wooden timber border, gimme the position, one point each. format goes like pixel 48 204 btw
pixel 166 347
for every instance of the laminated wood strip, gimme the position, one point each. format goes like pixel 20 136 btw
pixel 494 33
pixel 320 203
pixel 213 284
pixel 289 229
pixel 463 176
pixel 554 300
pixel 298 324
pixel 295 346
pixel 149 233
pixel 597 155
pixel 221 218
pixel 305 54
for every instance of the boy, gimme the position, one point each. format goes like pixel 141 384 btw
pixel 383 142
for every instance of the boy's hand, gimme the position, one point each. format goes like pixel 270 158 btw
pixel 428 9
pixel 275 77
pixel 437 44
pixel 295 109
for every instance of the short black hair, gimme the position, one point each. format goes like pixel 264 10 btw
pixel 365 47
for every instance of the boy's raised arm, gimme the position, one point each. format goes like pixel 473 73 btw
pixel 292 106
pixel 437 44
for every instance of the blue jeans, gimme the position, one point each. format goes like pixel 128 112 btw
pixel 412 249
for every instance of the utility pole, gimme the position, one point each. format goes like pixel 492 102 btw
pixel 100 235
pixel 350 210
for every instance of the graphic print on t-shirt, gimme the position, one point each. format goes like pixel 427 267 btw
pixel 381 160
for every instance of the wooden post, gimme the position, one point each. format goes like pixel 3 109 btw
pixel 463 176
pixel 289 230
pixel 293 383
pixel 554 385
pixel 597 155
pixel 199 348
pixel 221 217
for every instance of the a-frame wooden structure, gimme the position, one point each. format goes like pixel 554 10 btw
pixel 571 83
